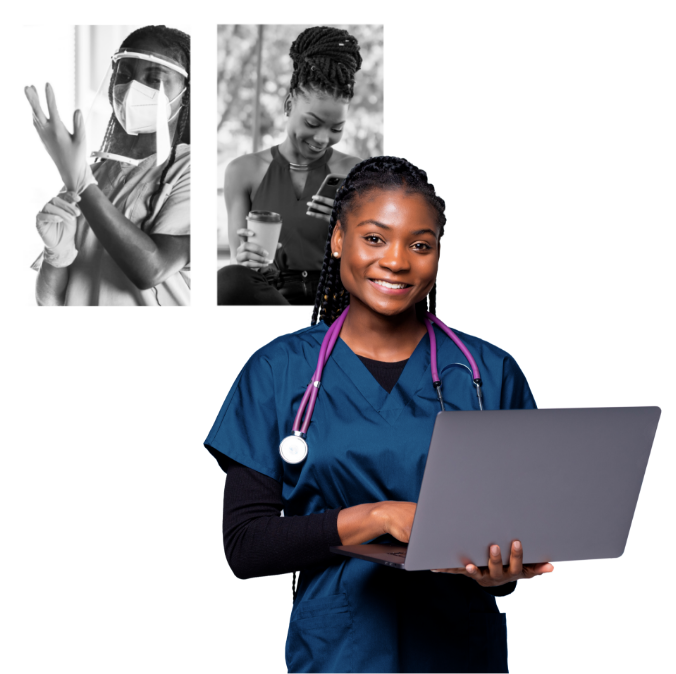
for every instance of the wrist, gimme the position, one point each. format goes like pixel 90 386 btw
pixel 86 180
pixel 358 524
pixel 379 516
pixel 60 258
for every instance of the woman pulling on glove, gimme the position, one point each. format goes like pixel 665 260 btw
pixel 119 232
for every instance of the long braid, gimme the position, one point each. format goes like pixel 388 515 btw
pixel 325 59
pixel 376 173
pixel 182 122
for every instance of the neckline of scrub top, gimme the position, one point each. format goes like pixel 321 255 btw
pixel 388 405
pixel 385 364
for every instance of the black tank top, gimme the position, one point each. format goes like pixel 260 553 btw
pixel 303 238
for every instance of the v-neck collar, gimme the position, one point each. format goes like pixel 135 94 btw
pixel 388 405
pixel 308 189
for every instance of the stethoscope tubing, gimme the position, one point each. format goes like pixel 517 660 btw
pixel 307 404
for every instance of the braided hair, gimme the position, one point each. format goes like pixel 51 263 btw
pixel 325 60
pixel 376 173
pixel 176 44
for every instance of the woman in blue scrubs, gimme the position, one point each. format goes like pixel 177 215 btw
pixel 367 447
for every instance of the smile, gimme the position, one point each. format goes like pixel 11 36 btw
pixel 314 147
pixel 390 288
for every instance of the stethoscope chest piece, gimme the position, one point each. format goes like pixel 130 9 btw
pixel 293 448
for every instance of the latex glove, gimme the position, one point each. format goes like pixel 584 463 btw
pixel 57 224
pixel 68 151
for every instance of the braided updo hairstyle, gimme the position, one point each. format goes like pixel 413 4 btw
pixel 176 45
pixel 325 60
pixel 376 173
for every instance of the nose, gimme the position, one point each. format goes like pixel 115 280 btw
pixel 321 137
pixel 395 257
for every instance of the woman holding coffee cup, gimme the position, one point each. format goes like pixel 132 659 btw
pixel 281 183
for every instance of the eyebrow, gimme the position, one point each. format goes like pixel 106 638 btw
pixel 152 69
pixel 418 232
pixel 319 119
pixel 156 67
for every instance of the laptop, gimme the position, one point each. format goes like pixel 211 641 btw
pixel 565 482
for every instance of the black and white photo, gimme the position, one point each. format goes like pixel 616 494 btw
pixel 117 231
pixel 296 124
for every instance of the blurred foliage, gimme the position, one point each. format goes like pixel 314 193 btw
pixel 237 54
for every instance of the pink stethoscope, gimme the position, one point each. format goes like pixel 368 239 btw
pixel 293 448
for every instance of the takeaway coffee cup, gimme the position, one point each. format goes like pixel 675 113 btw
pixel 266 227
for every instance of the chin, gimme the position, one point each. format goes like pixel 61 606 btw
pixel 389 309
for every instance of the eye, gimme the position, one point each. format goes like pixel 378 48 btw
pixel 337 130
pixel 372 238
pixel 311 126
pixel 422 246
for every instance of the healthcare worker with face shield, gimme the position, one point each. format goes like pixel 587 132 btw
pixel 119 232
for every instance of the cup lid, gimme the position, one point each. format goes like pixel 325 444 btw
pixel 264 216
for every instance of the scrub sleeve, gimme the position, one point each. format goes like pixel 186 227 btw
pixel 245 429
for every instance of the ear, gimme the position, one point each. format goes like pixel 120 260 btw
pixel 337 239
pixel 287 105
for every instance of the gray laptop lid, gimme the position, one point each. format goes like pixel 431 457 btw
pixel 565 482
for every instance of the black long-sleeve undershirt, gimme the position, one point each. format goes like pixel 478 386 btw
pixel 258 541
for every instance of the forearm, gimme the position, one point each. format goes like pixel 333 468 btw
pixel 50 286
pixel 272 545
pixel 135 252
pixel 235 222
pixel 258 541
pixel 233 238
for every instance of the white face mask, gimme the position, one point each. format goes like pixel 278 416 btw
pixel 136 104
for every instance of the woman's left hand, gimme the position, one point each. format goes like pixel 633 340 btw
pixel 496 573
pixel 68 151
pixel 320 207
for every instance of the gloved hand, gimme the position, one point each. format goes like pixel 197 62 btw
pixel 68 151
pixel 57 224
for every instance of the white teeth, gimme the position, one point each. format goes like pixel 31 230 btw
pixel 391 285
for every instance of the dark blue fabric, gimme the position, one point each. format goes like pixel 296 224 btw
pixel 366 445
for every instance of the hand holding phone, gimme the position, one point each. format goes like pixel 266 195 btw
pixel 322 203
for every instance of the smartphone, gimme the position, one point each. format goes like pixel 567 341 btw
pixel 329 188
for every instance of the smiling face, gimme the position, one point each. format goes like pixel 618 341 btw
pixel 389 250
pixel 315 123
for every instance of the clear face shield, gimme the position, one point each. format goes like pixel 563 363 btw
pixel 137 108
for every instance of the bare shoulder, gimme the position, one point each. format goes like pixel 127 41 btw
pixel 248 170
pixel 342 163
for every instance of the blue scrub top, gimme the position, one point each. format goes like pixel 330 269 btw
pixel 365 445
